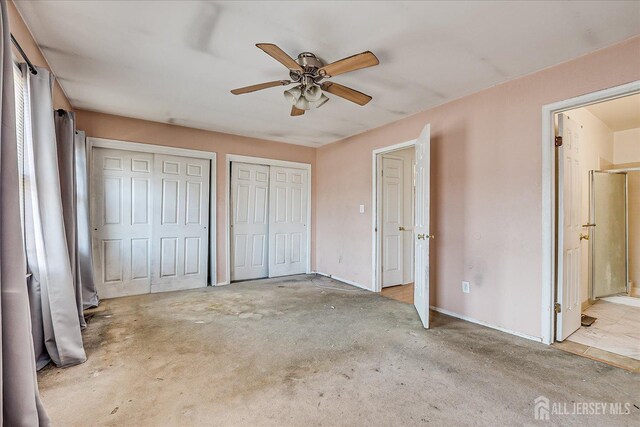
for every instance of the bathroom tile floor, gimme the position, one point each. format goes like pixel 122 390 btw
pixel 616 330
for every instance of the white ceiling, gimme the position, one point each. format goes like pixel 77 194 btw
pixel 175 61
pixel 618 114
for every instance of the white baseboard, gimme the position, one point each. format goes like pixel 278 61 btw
pixel 348 282
pixel 221 284
pixel 488 325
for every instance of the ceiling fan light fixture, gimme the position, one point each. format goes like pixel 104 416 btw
pixel 312 93
pixel 293 95
pixel 303 104
pixel 319 103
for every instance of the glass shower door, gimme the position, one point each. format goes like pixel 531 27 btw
pixel 609 234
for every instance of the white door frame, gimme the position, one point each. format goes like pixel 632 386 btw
pixel 172 151
pixel 268 162
pixel 376 240
pixel 549 256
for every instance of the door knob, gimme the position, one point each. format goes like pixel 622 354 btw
pixel 426 236
pixel 401 228
pixel 584 237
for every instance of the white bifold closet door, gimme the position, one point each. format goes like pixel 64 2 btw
pixel 249 221
pixel 287 221
pixel 150 217
pixel 268 221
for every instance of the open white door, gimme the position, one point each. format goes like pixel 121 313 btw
pixel 569 227
pixel 421 229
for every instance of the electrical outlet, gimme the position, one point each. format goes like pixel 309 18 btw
pixel 466 287
pixel 361 208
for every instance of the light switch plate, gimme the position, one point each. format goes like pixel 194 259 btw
pixel 361 208
pixel 466 287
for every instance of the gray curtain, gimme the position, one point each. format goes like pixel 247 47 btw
pixel 52 289
pixel 84 258
pixel 65 141
pixel 20 404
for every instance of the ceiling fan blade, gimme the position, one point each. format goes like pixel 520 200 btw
pixel 260 86
pixel 346 93
pixel 352 63
pixel 279 55
pixel 296 111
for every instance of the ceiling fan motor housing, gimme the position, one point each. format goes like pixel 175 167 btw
pixel 308 59
pixel 310 63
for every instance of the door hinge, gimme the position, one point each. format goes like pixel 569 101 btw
pixel 557 307
pixel 558 141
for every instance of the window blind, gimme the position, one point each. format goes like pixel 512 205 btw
pixel 19 90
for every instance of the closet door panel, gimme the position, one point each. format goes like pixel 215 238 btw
pixel 180 223
pixel 120 219
pixel 249 221
pixel 288 227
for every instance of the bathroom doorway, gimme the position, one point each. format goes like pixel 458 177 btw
pixel 598 229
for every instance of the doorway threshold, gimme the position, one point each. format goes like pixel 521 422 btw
pixel 402 293
pixel 624 300
pixel 613 359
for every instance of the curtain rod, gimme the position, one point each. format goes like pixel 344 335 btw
pixel 24 55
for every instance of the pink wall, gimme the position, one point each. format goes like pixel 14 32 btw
pixel 485 193
pixel 126 129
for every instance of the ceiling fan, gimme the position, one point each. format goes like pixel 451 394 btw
pixel 309 73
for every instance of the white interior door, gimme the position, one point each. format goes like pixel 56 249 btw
pixel 421 228
pixel 181 221
pixel 287 221
pixel 249 221
pixel 569 227
pixel 392 216
pixel 121 221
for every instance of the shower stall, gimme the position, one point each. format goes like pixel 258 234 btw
pixel 608 234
